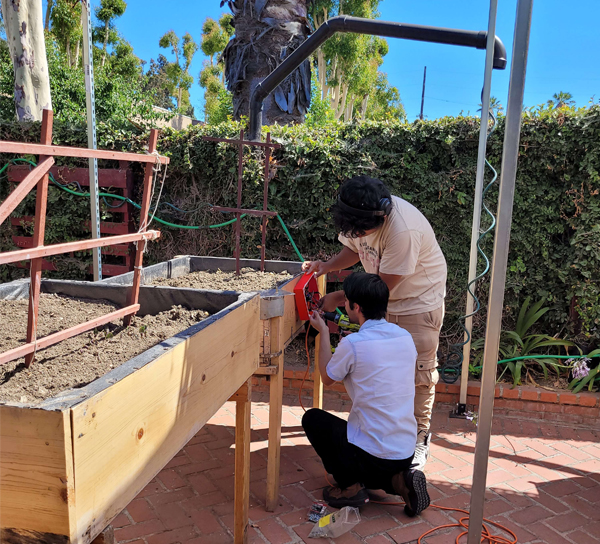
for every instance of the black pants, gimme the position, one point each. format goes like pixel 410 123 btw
pixel 348 463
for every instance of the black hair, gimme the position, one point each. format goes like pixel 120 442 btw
pixel 364 193
pixel 370 292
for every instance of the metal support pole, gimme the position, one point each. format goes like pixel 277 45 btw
pixel 499 264
pixel 485 107
pixel 88 66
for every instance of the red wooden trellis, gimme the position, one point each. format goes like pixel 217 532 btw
pixel 39 177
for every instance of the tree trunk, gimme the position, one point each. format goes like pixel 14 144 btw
pixel 322 68
pixel 105 42
pixel 363 107
pixel 342 103
pixel 348 113
pixel 24 26
pixel 265 34
pixel 75 61
pixel 321 63
pixel 48 14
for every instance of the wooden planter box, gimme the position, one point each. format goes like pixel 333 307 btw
pixel 279 325
pixel 68 466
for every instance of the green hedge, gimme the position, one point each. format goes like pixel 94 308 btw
pixel 555 241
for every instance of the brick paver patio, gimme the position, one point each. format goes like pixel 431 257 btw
pixel 544 484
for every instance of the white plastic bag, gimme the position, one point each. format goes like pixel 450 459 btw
pixel 336 524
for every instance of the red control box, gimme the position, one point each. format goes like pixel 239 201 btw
pixel 307 295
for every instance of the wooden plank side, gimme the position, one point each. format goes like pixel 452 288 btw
pixel 36 478
pixel 126 434
pixel 20 148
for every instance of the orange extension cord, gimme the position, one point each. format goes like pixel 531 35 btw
pixel 486 536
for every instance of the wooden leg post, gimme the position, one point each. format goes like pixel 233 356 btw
pixel 275 411
pixel 242 463
pixel 141 245
pixel 318 384
pixel 41 201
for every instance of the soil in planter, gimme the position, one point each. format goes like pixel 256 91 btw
pixel 77 361
pixel 249 280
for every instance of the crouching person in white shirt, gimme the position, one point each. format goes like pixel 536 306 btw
pixel 375 448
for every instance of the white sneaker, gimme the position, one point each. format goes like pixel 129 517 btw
pixel 421 451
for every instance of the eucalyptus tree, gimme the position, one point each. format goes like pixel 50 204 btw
pixel 24 28
pixel 66 28
pixel 106 13
pixel 348 64
pixel 178 72
pixel 217 100
pixel 266 32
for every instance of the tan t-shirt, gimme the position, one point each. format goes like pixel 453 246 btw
pixel 405 246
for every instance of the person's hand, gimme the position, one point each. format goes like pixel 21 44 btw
pixel 318 322
pixel 314 267
pixel 329 303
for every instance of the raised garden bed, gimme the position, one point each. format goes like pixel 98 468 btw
pixel 210 274
pixel 215 274
pixel 71 462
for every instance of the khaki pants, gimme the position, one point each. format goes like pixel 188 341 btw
pixel 425 331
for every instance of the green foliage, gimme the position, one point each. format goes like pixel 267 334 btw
pixel 66 28
pixel 384 102
pixel 218 101
pixel 156 81
pixel 560 100
pixel 118 99
pixel 106 13
pixel 320 112
pixel 521 343
pixel 348 65
pixel 177 73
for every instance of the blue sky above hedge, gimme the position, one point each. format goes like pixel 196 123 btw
pixel 563 51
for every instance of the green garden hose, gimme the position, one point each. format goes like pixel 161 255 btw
pixel 153 217
pixel 523 357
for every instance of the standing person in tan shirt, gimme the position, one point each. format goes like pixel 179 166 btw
pixel 390 237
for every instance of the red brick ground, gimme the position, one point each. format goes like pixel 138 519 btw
pixel 544 481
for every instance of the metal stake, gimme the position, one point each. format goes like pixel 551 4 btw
pixel 265 198
pixel 239 210
pixel 238 215
pixel 499 263
pixel 88 66
pixel 485 109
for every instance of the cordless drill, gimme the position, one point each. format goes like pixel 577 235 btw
pixel 341 321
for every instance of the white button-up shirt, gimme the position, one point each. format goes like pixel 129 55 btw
pixel 377 366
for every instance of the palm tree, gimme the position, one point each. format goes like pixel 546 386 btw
pixel 560 100
pixel 266 32
pixel 495 106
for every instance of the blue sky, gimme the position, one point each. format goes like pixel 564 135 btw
pixel 563 54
